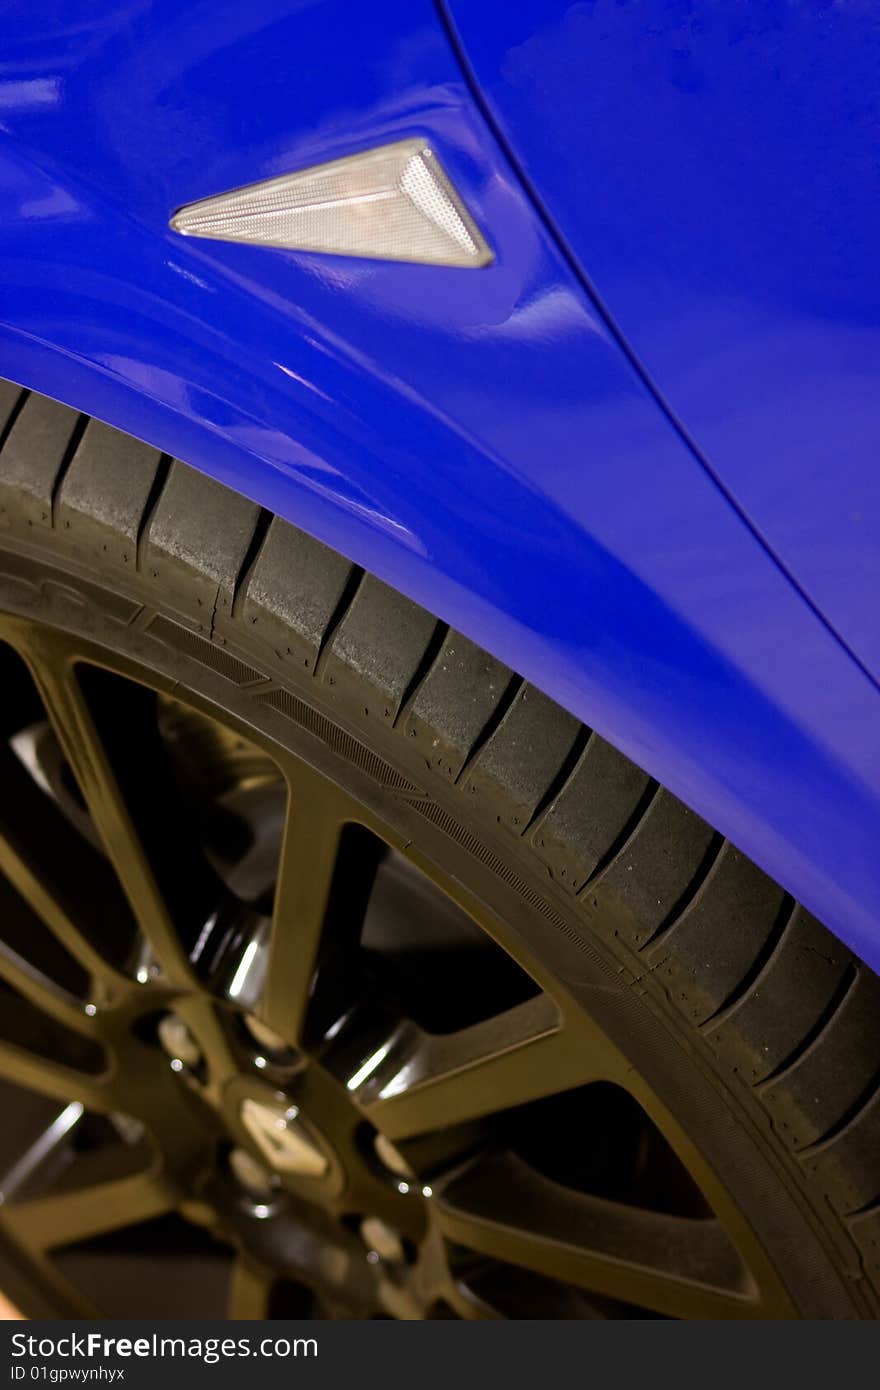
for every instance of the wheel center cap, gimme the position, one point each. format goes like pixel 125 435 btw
pixel 283 1138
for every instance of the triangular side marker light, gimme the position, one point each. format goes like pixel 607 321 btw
pixel 392 203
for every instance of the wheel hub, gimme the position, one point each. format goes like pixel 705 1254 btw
pixel 283 1138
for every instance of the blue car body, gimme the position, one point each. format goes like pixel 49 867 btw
pixel 634 457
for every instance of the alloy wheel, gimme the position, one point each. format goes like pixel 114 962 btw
pixel 249 1029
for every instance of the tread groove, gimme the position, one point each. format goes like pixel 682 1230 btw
pixel 557 786
pixel 850 1114
pixel 154 495
pixel 13 416
pixel 73 443
pixel 869 1209
pixel 511 690
pixel 346 599
pixel 432 651
pixel 251 555
pixel 846 983
pixel 621 840
pixel 704 869
pixel 786 912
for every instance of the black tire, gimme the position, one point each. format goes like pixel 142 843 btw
pixel 755 1027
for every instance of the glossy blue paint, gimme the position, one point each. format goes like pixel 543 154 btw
pixel 716 170
pixel 478 439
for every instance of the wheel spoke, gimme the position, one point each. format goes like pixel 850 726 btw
pixel 42 992
pixel 313 828
pixel 53 1079
pixel 676 1266
pixel 421 1081
pixel 50 1222
pixel 63 881
pixel 78 735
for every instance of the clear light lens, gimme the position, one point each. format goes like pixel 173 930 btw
pixel 392 203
